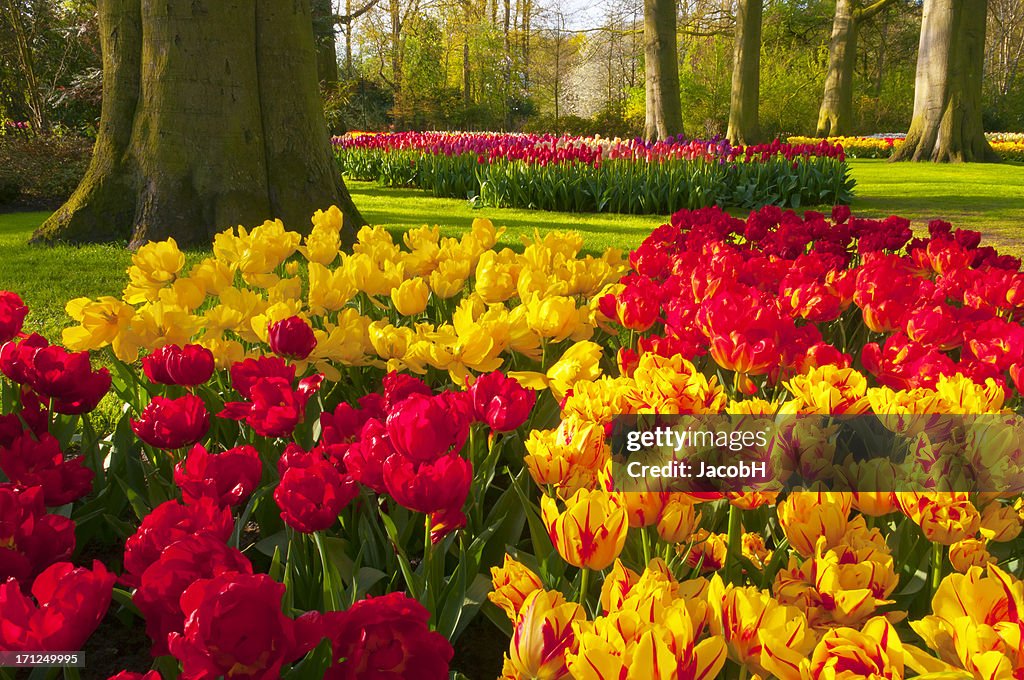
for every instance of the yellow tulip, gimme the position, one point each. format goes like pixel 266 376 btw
pixel 154 266
pixel 968 553
pixel 101 322
pixel 945 517
pixel 513 582
pixel 496 275
pixel 329 290
pixel 872 653
pixel 543 635
pixel 579 362
pixel 754 624
pixel 553 318
pixel 591 532
pixel 828 390
pixel 999 523
pixel 806 515
pixel 679 519
pixel 410 298
pixel 213 275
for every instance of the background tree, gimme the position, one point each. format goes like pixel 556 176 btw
pixel 947 122
pixel 744 121
pixel 211 118
pixel 49 63
pixel 664 115
pixel 835 118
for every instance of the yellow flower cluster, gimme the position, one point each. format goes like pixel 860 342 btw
pixel 828 607
pixel 456 305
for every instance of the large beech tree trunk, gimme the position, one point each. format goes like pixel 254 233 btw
pixel 664 114
pixel 947 122
pixel 835 117
pixel 836 114
pixel 211 118
pixel 744 122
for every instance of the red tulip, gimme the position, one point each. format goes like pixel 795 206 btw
pixel 312 493
pixel 168 523
pixel 65 379
pixel 229 478
pixel 399 386
pixel 172 423
pixel 292 338
pixel 386 637
pixel 234 628
pixel 501 402
pixel 69 605
pixel 275 408
pixel 423 428
pixel 245 374
pixel 172 365
pixel 440 485
pixel 12 315
pixel 30 539
pixel 183 563
pixel 365 458
pixel 37 460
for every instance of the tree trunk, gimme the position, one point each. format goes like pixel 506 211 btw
pixel 467 83
pixel 664 114
pixel 196 134
pixel 326 43
pixel 835 118
pixel 744 123
pixel 947 123
pixel 506 65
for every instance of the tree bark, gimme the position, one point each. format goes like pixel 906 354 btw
pixel 211 118
pixel 836 114
pixel 947 124
pixel 326 43
pixel 664 114
pixel 744 122
pixel 835 117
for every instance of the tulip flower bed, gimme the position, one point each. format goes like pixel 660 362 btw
pixel 582 174
pixel 1009 145
pixel 338 464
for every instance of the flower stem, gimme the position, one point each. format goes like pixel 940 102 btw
pixel 733 569
pixel 428 576
pixel 646 538
pixel 584 587
pixel 938 555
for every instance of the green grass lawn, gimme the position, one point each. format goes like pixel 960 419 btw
pixel 989 198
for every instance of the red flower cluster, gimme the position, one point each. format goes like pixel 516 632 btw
pixel 12 315
pixel 234 628
pixel 228 478
pixel 385 637
pixel 62 379
pixel 30 539
pixel 36 460
pixel 548 149
pixel 69 605
pixel 759 296
pixel 272 407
